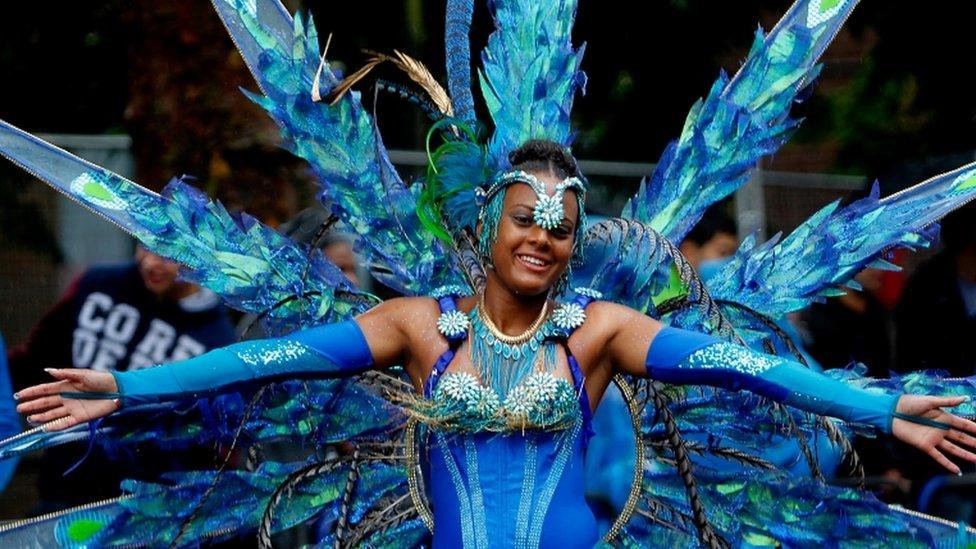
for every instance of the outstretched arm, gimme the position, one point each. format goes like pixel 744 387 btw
pixel 683 357
pixel 333 350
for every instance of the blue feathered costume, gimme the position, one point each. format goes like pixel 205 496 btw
pixel 418 239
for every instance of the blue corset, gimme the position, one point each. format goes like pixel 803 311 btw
pixel 509 490
pixel 507 472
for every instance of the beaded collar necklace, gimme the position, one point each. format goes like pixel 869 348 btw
pixel 502 360
pixel 501 336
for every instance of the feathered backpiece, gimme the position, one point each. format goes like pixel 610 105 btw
pixel 419 237
pixel 530 74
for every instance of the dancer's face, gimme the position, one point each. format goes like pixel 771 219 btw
pixel 529 259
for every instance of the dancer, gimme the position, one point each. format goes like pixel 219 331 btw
pixel 498 434
pixel 506 364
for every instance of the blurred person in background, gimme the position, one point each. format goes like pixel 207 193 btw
pixel 936 321
pixel 936 318
pixel 338 247
pixel 854 327
pixel 119 317
pixel 713 239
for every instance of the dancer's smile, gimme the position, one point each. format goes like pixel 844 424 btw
pixel 529 259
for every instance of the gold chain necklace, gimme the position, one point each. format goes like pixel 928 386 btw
pixel 502 336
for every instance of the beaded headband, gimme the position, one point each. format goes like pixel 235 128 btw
pixel 549 211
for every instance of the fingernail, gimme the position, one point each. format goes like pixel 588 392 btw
pixel 959 474
pixel 16 396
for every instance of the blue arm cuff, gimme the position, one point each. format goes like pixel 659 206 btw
pixel 672 345
pixel 333 350
pixel 684 357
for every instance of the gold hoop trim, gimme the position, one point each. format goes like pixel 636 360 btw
pixel 638 481
pixel 413 474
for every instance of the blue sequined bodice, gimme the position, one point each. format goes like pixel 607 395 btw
pixel 505 446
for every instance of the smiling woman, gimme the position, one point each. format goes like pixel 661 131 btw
pixel 509 387
pixel 481 444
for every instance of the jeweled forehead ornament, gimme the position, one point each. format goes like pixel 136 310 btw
pixel 549 211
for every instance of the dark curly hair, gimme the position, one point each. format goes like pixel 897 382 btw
pixel 539 155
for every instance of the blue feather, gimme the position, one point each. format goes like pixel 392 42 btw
pixel 530 74
pixel 742 119
pixel 252 267
pixel 342 144
pixel 457 46
pixel 826 251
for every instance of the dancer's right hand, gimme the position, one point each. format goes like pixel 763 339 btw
pixel 46 405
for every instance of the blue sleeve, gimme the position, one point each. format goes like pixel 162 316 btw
pixel 9 420
pixel 333 350
pixel 683 357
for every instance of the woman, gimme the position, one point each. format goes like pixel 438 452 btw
pixel 515 376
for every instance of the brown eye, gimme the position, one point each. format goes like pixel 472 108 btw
pixel 562 231
pixel 522 219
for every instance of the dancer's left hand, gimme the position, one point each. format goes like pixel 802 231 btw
pixel 937 443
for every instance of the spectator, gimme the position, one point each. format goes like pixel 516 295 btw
pixel 715 237
pixel 338 248
pixel 854 327
pixel 115 318
pixel 935 320
pixel 937 313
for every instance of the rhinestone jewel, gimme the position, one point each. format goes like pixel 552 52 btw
pixel 548 212
pixel 589 292
pixel 453 324
pixel 568 316
pixel 450 290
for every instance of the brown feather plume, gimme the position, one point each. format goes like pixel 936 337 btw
pixel 412 67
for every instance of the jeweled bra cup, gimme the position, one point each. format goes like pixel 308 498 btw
pixel 462 404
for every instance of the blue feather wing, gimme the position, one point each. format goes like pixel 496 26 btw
pixel 530 74
pixel 341 143
pixel 152 514
pixel 824 253
pixel 754 509
pixel 252 267
pixel 741 120
pixel 457 51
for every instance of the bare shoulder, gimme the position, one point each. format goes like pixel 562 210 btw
pixel 609 313
pixel 405 310
pixel 607 320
